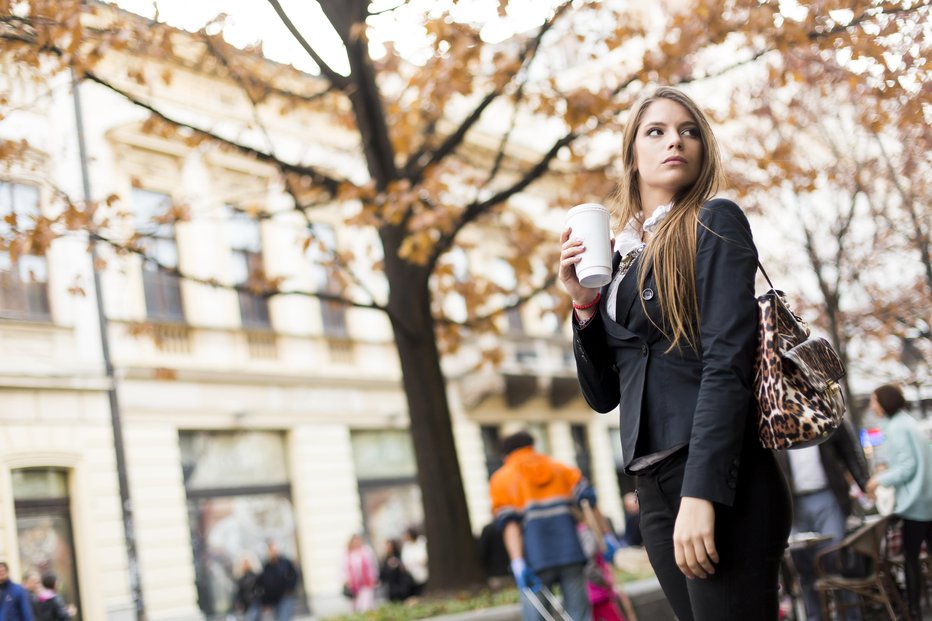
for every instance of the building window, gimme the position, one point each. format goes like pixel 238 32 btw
pixel 156 238
pixel 492 446
pixel 581 447
pixel 541 437
pixel 43 527
pixel 244 236
pixel 515 320
pixel 388 490
pixel 333 314
pixel 24 281
pixel 239 497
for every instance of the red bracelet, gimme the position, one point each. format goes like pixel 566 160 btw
pixel 598 297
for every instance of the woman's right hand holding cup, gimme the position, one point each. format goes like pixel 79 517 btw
pixel 570 255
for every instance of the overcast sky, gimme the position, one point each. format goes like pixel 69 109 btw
pixel 253 20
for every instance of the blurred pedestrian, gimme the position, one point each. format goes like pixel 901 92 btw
pixel 533 497
pixel 494 556
pixel 414 557
pixel 360 574
pixel 247 584
pixel 394 576
pixel 51 606
pixel 276 586
pixel 32 582
pixel 600 582
pixel 909 472
pixel 14 599
pixel 818 478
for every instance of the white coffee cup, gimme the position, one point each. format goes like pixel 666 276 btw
pixel 590 222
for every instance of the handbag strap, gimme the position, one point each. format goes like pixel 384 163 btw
pixel 764 272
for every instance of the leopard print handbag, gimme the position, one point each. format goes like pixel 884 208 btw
pixel 799 400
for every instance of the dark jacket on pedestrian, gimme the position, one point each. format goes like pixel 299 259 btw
pixel 398 583
pixel 277 580
pixel 840 453
pixel 51 607
pixel 246 590
pixel 14 603
pixel 492 551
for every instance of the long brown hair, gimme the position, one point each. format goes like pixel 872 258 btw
pixel 672 248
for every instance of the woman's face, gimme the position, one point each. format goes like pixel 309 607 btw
pixel 875 407
pixel 667 149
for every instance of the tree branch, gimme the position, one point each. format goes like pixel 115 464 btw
pixel 481 320
pixel 338 80
pixel 331 184
pixel 415 167
pixel 218 54
pixel 241 288
pixel 476 209
pixel 394 8
pixel 921 237
pixel 335 258
pixel 506 136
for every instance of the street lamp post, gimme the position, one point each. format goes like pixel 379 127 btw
pixel 126 502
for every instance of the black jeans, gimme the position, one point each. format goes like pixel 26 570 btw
pixel 750 537
pixel 914 533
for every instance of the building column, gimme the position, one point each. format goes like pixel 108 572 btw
pixel 162 531
pixel 327 511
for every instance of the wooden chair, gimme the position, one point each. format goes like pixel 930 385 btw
pixel 877 586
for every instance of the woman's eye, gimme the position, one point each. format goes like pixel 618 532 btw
pixel 692 132
pixel 654 131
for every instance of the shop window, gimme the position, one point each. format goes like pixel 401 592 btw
pixel 239 497
pixel 43 527
pixel 157 240
pixel 24 281
pixel 388 489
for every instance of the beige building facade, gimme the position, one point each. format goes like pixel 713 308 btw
pixel 243 419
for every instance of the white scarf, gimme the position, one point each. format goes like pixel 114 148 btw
pixel 628 242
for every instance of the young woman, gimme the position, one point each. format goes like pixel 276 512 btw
pixel 360 574
pixel 909 471
pixel 671 342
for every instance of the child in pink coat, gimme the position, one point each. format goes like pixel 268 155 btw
pixel 599 580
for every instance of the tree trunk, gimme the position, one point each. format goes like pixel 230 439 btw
pixel 452 556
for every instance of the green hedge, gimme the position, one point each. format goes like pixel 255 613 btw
pixel 429 607
pixel 426 608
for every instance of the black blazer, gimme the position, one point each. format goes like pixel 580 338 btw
pixel 703 399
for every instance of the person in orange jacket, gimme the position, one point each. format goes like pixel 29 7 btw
pixel 532 501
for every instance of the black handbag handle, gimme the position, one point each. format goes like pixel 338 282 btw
pixel 764 272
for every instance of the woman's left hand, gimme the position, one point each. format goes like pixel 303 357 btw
pixel 871 486
pixel 694 538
